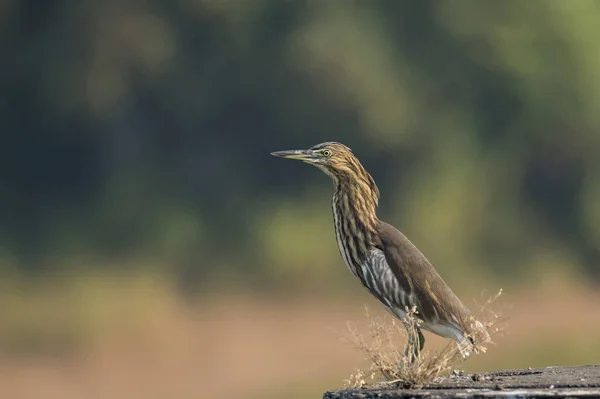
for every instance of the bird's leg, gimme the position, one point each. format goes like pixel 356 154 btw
pixel 416 341
pixel 412 351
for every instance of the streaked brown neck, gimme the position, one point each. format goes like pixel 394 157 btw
pixel 356 197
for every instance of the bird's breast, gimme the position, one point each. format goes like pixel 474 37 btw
pixel 339 236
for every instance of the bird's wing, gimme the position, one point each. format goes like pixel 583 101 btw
pixel 435 301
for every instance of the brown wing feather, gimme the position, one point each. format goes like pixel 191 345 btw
pixel 435 301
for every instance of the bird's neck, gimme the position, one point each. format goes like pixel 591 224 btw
pixel 356 202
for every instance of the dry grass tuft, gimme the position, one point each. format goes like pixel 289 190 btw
pixel 389 366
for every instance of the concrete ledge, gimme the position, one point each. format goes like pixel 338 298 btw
pixel 555 382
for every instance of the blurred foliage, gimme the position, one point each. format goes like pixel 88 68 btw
pixel 143 129
pixel 63 314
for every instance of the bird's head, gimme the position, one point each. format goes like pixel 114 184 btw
pixel 335 159
pixel 348 175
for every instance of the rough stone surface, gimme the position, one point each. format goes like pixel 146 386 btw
pixel 555 382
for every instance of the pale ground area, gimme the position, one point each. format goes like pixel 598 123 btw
pixel 245 347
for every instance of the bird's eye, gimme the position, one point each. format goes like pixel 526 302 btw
pixel 326 153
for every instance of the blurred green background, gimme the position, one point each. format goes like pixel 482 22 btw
pixel 150 246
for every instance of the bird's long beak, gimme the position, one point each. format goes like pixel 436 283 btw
pixel 302 155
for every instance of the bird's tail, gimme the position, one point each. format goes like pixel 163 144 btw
pixel 475 340
pixel 478 336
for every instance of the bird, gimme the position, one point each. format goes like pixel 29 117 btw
pixel 385 261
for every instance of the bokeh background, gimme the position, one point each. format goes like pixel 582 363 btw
pixel 151 248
